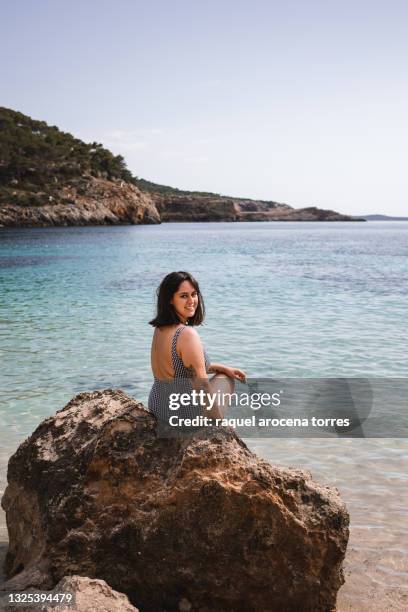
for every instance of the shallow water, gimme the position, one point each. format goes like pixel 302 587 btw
pixel 298 299
pixel 372 478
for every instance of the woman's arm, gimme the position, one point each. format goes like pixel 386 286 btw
pixel 192 355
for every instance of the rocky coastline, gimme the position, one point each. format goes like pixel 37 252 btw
pixel 50 178
pixel 197 523
pixel 95 201
pixel 99 201
pixel 217 208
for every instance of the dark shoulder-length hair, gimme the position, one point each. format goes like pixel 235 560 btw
pixel 166 315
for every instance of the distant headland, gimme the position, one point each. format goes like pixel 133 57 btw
pixel 50 178
pixel 382 218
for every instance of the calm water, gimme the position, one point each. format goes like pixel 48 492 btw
pixel 283 299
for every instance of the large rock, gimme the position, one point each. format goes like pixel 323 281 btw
pixel 198 524
pixel 90 595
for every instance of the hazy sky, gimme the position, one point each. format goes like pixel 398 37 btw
pixel 303 102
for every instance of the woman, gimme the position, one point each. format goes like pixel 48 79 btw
pixel 179 362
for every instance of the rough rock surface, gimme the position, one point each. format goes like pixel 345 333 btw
pixel 198 524
pixel 102 202
pixel 213 208
pixel 90 596
pixel 97 202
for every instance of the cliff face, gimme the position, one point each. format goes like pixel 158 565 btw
pixel 104 202
pixel 218 208
pixel 92 201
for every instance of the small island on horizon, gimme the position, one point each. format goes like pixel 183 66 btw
pixel 50 178
pixel 382 218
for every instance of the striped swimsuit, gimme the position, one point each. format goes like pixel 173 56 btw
pixel 159 397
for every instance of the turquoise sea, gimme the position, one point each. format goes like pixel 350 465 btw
pixel 282 299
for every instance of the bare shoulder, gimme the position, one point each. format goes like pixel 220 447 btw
pixel 189 336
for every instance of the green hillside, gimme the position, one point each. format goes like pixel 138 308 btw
pixel 38 160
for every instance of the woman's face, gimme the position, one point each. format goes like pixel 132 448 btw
pixel 185 300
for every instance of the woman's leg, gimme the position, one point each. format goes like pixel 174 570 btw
pixel 223 386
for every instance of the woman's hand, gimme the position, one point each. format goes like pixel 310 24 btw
pixel 235 373
pixel 230 372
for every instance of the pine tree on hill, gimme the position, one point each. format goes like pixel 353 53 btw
pixel 38 160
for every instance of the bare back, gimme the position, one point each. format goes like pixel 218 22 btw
pixel 161 359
